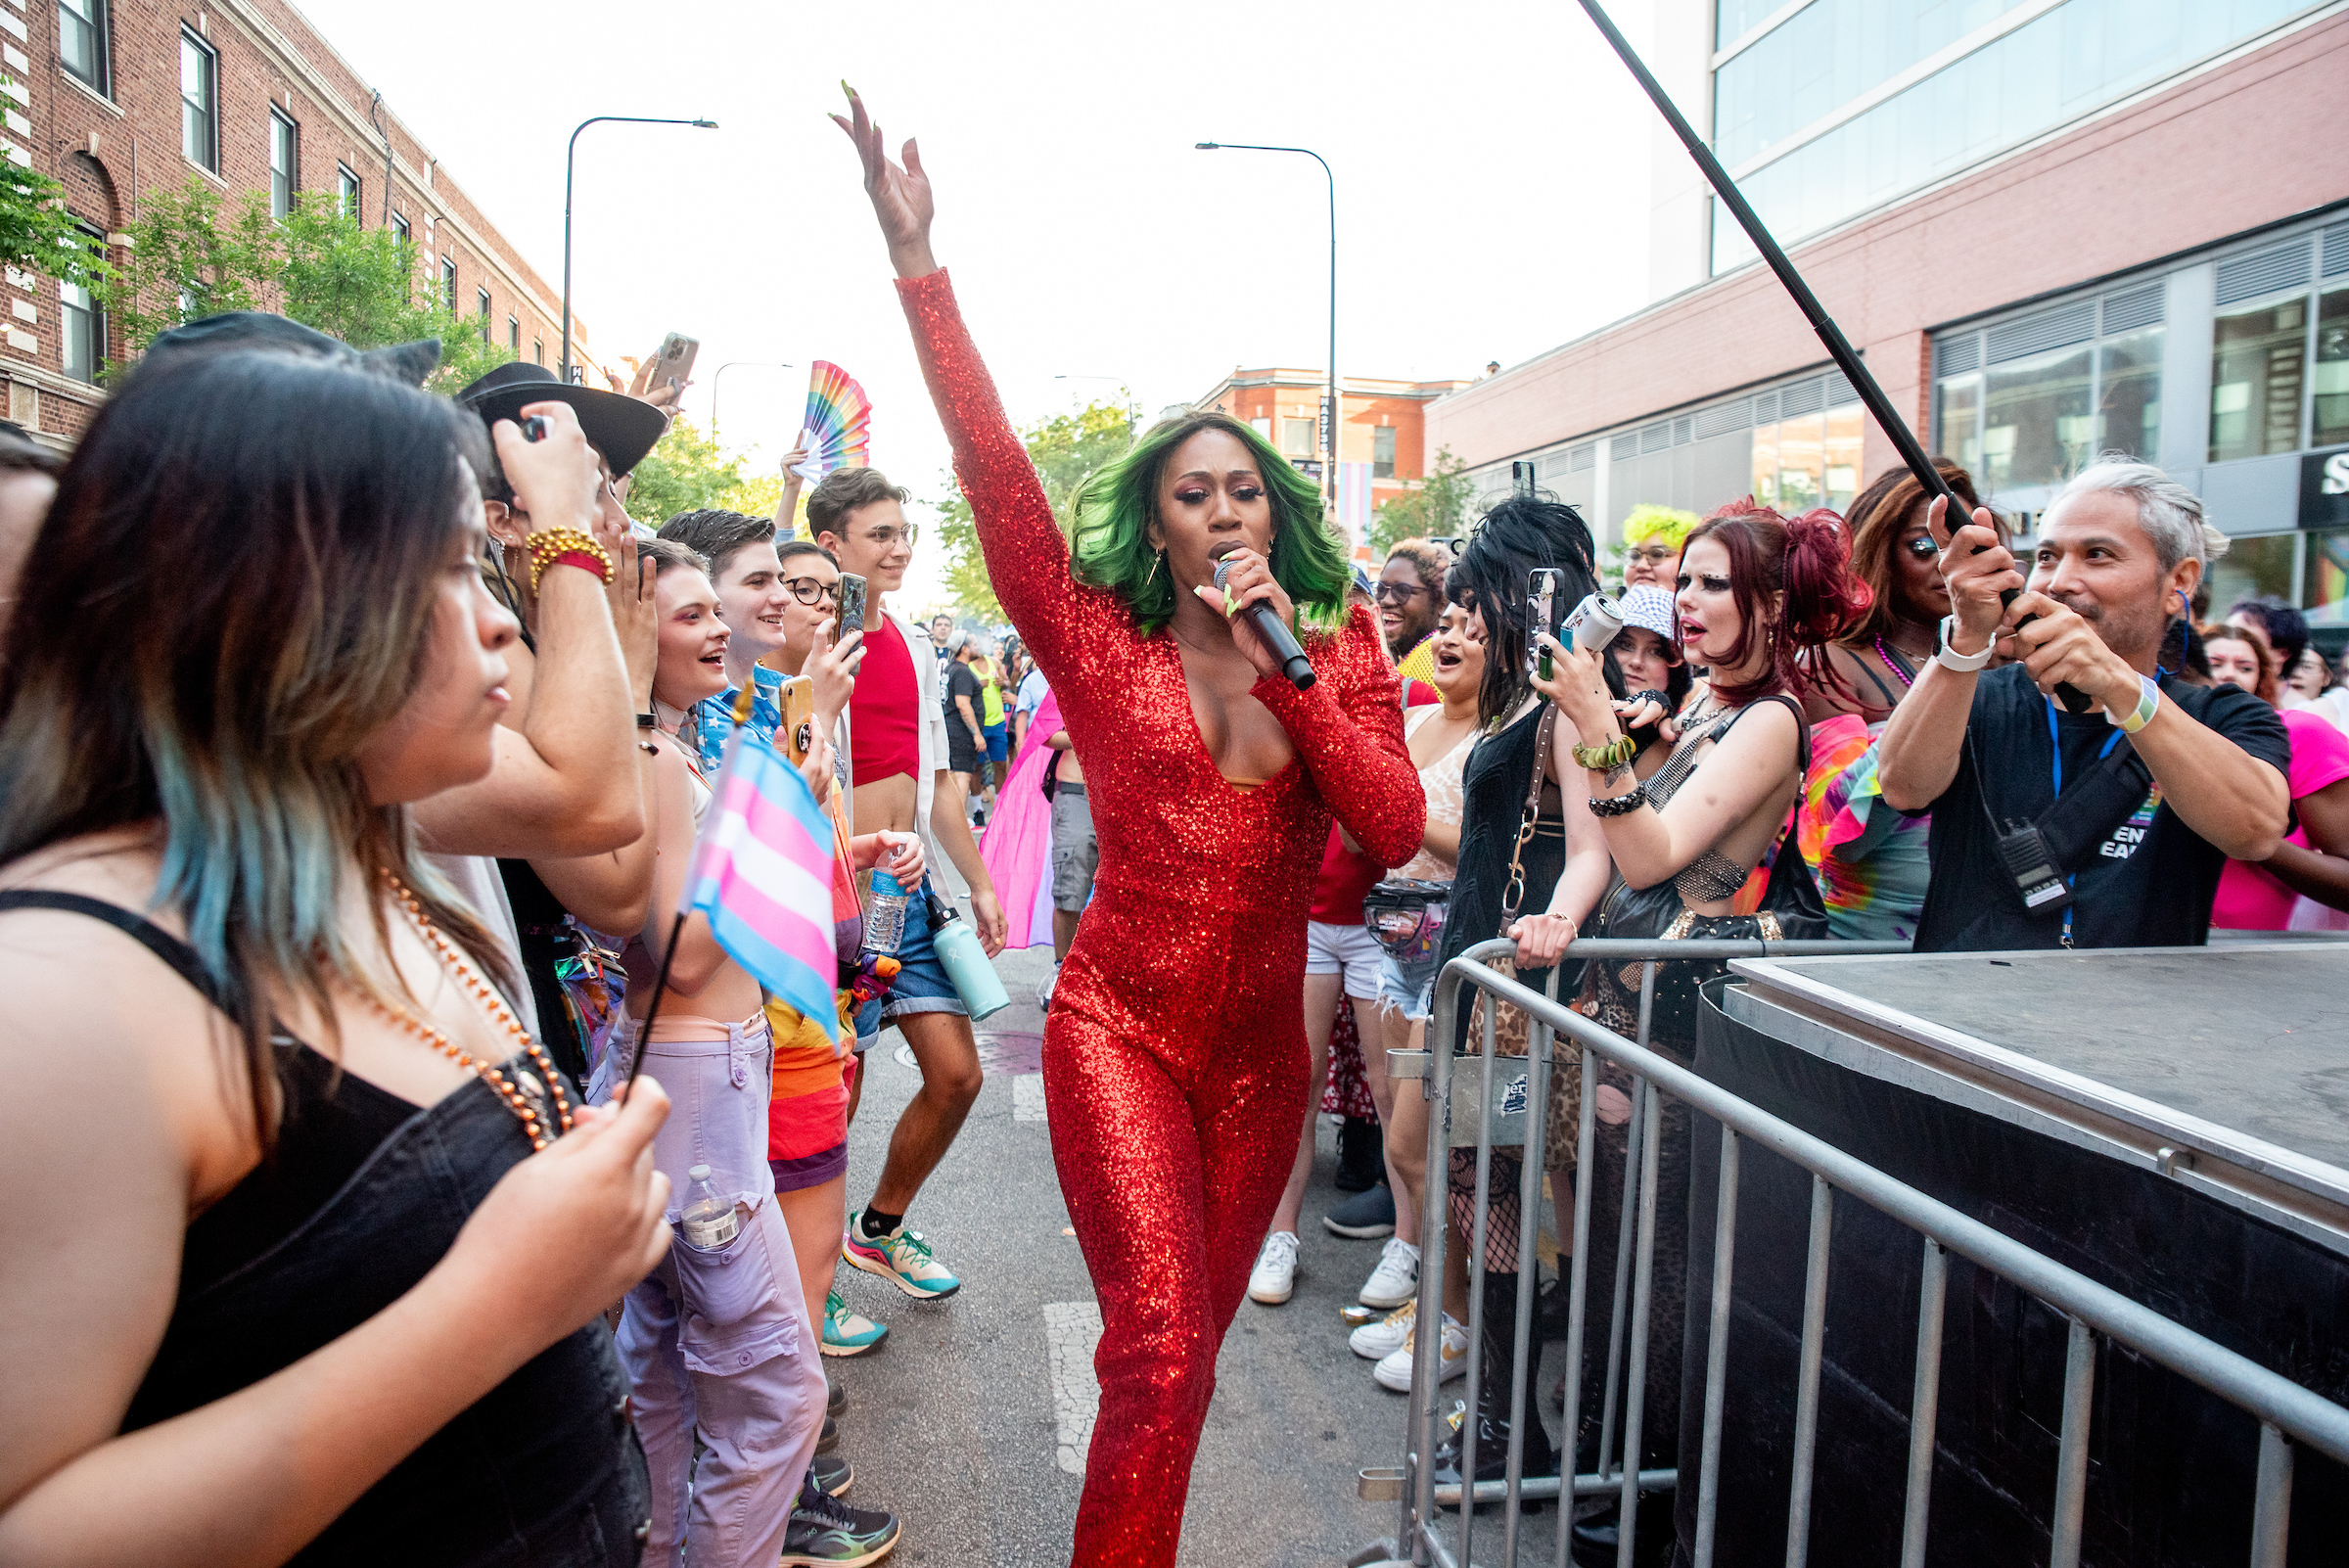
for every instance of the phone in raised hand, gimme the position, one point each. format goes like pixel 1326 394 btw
pixel 1541 616
pixel 673 364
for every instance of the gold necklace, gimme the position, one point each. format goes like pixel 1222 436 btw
pixel 524 1093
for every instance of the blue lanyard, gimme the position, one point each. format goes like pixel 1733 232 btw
pixel 2055 745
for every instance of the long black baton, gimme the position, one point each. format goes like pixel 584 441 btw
pixel 1879 407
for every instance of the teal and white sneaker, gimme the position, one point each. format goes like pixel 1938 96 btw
pixel 847 1333
pixel 826 1533
pixel 902 1257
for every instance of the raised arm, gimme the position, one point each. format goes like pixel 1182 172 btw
pixel 1351 742
pixel 1027 556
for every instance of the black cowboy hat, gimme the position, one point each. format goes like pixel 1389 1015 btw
pixel 407 363
pixel 621 427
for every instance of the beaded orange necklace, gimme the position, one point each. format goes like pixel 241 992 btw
pixel 524 1093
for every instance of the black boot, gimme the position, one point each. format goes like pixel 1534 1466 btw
pixel 1491 1415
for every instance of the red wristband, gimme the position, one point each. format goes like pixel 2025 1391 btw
pixel 585 562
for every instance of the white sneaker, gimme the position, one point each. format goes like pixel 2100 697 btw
pixel 1396 1280
pixel 1395 1371
pixel 1376 1341
pixel 1275 1277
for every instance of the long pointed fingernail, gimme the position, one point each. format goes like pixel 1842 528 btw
pixel 1201 590
pixel 845 88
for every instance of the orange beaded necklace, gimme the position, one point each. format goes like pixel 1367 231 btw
pixel 526 1093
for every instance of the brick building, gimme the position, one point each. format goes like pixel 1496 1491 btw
pixel 2052 228
pixel 118 100
pixel 1382 445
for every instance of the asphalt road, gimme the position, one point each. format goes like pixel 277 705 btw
pixel 969 1421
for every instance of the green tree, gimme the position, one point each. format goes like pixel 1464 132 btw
pixel 195 252
pixel 1067 449
pixel 37 232
pixel 1438 509
pixel 683 473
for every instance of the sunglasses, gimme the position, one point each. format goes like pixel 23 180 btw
pixel 1395 592
pixel 810 591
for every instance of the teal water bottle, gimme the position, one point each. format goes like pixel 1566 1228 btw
pixel 966 962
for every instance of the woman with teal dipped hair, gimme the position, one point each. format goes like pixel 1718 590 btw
pixel 1175 1054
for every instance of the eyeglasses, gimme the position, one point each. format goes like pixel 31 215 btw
pixel 1653 554
pixel 1395 592
pixel 890 538
pixel 812 590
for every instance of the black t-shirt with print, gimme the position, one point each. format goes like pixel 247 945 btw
pixel 961 681
pixel 2150 882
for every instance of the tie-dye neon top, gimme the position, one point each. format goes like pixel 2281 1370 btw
pixel 1872 861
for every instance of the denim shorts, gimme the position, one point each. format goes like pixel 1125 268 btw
pixel 999 741
pixel 922 984
pixel 1409 982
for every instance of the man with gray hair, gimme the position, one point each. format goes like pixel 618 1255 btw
pixel 2106 828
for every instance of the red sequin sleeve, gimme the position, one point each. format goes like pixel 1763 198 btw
pixel 1351 741
pixel 1027 555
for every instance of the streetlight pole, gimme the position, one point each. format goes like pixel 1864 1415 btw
pixel 1329 405
pixel 570 153
pixel 771 364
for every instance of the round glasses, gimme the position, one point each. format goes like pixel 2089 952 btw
pixel 812 590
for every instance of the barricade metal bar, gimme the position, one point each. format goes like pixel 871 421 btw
pixel 2300 1415
pixel 1545 1488
pixel 2071 1456
pixel 1924 1403
pixel 1529 1221
pixel 1716 1348
pixel 1624 1228
pixel 1476 1269
pixel 1418 1507
pixel 1643 1271
pixel 2272 1499
pixel 1806 1397
pixel 1578 1295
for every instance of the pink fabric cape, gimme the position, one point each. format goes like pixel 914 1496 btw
pixel 1017 845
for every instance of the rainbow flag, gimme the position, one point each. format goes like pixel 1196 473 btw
pixel 762 876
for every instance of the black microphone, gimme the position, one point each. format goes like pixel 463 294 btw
pixel 1278 637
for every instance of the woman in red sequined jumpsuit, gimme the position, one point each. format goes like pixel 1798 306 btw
pixel 1174 1055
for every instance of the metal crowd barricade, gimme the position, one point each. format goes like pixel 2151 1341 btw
pixel 2287 1412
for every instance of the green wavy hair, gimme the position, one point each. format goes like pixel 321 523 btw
pixel 1109 527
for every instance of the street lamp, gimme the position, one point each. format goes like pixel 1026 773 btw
pixel 570 152
pixel 771 364
pixel 1133 408
pixel 1329 405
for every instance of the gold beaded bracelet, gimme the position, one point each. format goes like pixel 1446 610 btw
pixel 553 544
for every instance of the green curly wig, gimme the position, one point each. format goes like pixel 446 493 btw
pixel 1109 527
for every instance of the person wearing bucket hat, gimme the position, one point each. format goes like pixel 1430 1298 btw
pixel 1648 652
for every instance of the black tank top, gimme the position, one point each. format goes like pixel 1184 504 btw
pixel 1492 790
pixel 362 1194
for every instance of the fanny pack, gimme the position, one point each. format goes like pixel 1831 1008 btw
pixel 1405 914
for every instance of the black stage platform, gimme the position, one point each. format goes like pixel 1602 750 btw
pixel 2172 1123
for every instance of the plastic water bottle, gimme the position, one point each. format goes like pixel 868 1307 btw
pixel 884 915
pixel 709 1220
pixel 964 959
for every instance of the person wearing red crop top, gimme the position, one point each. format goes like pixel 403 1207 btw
pixel 1175 1054
pixel 897 764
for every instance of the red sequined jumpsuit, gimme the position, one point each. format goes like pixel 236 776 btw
pixel 1174 1056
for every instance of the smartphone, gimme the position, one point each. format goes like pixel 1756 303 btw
pixel 675 362
pixel 1540 615
pixel 851 605
pixel 797 705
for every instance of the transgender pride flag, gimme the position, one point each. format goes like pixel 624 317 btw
pixel 1354 501
pixel 762 874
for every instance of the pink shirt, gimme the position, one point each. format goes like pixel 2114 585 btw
pixel 2251 898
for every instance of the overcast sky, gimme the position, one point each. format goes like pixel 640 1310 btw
pixel 1490 162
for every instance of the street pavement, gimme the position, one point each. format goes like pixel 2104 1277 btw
pixel 971 1420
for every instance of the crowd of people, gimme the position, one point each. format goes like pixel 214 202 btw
pixel 427 1191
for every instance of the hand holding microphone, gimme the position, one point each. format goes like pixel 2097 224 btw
pixel 1245 583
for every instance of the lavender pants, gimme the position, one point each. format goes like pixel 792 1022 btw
pixel 717 1342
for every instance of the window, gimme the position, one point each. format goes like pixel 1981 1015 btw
pixel 537 350
pixel 1298 438
pixel 285 163
pixel 399 226
pixel 449 283
pixel 514 335
pixel 347 191
pixel 1806 449
pixel 82 40
pixel 2262 370
pixel 2031 401
pixel 1382 452
pixel 81 322
pixel 481 308
pixel 198 102
pixel 2074 59
pixel 1262 426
